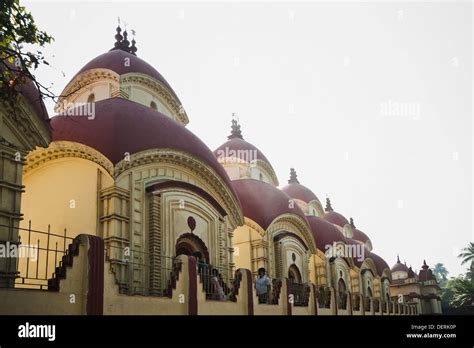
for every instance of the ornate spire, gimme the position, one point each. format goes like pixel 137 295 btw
pixel 125 42
pixel 133 48
pixel 425 266
pixel 235 132
pixel 328 205
pixel 293 177
pixel 122 43
pixel 398 258
pixel 118 39
pixel 351 221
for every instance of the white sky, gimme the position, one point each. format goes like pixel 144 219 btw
pixel 307 81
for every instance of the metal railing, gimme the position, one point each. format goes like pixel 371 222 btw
pixel 376 304
pixel 272 296
pixel 218 282
pixel 135 275
pixel 324 297
pixel 342 300
pixel 301 293
pixel 367 303
pixel 37 255
pixel 356 302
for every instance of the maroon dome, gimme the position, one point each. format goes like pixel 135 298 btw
pixel 360 236
pixel 30 92
pixel 300 192
pixel 324 233
pixel 122 126
pixel 114 60
pixel 380 263
pixel 237 144
pixel 399 267
pixel 263 202
pixel 357 260
pixel 336 218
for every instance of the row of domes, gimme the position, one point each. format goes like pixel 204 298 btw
pixel 121 126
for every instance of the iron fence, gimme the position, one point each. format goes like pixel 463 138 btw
pixel 136 275
pixel 272 295
pixel 356 302
pixel 324 297
pixel 300 293
pixel 37 256
pixel 342 300
pixel 218 282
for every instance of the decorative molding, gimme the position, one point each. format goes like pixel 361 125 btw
pixel 295 224
pixel 197 172
pixel 25 125
pixel 84 80
pixel 65 149
pixel 268 169
pixel 158 88
pixel 255 226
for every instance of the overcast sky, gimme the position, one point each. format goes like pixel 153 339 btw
pixel 371 102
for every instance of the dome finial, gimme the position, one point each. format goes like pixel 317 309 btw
pixel 425 266
pixel 125 42
pixel 133 48
pixel 293 177
pixel 398 258
pixel 328 205
pixel 235 132
pixel 118 37
pixel 351 221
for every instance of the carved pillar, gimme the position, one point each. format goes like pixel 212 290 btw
pixel 11 166
pixel 114 228
pixel 278 261
pixel 155 244
pixel 221 243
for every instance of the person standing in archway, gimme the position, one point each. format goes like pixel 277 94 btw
pixel 262 286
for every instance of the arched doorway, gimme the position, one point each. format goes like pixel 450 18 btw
pixel 342 294
pixel 294 274
pixel 191 245
pixel 341 286
pixel 369 292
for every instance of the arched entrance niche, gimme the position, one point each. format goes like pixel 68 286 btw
pixel 191 245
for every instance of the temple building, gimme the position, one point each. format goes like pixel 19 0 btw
pixel 120 209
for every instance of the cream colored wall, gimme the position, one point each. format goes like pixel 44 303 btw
pixel 272 309
pixel 41 302
pixel 119 304
pixel 255 174
pixel 101 91
pixel 405 289
pixel 238 169
pixel 399 275
pixel 144 97
pixel 64 194
pixel 242 244
pixel 215 307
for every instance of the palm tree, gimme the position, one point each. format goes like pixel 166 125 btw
pixel 463 292
pixel 440 272
pixel 467 254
